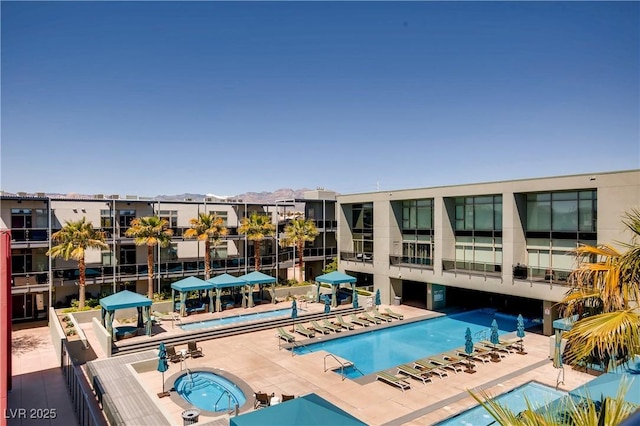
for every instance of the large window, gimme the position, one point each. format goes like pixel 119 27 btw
pixel 362 229
pixel 171 216
pixel 417 231
pixel 106 222
pixel 568 211
pixel 124 220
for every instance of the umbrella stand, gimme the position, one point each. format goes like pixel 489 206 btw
pixel 163 393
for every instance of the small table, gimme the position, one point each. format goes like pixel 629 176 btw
pixel 183 353
pixel 274 400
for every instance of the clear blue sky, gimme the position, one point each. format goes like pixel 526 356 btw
pixel 153 98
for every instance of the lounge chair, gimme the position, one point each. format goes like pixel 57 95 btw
pixel 335 328
pixel 320 329
pixel 344 324
pixel 385 318
pixel 193 350
pixel 367 317
pixel 282 333
pixel 287 397
pixel 479 354
pixel 456 359
pixel 441 362
pixel 304 331
pixel 399 382
pixel 172 355
pixel 262 400
pixel 425 365
pixel 394 315
pixel 414 373
pixel 499 349
pixel 358 321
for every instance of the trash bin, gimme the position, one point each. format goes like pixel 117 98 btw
pixel 396 300
pixel 190 417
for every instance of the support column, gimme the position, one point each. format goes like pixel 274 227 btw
pixel 549 314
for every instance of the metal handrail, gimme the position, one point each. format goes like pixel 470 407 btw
pixel 342 365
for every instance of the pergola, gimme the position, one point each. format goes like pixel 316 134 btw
pixel 257 277
pixel 122 300
pixel 335 278
pixel 186 285
pixel 224 281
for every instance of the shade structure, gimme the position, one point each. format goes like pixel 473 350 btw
pixel 335 278
pixel 122 300
pixel 252 278
pixel 184 286
pixel 495 337
pixel 607 385
pixel 163 365
pixel 224 281
pixel 308 410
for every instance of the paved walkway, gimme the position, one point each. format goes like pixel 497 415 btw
pixel 38 388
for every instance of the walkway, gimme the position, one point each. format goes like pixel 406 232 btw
pixel 38 384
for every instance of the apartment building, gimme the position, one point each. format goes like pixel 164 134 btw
pixel 37 281
pixel 503 245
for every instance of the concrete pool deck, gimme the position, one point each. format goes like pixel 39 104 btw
pixel 256 359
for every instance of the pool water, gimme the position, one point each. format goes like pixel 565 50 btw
pixel 537 394
pixel 386 348
pixel 209 392
pixel 278 313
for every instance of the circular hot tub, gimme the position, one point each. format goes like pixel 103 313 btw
pixel 209 391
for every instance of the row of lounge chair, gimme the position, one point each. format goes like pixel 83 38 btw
pixel 193 351
pixel 263 399
pixel 324 326
pixel 455 361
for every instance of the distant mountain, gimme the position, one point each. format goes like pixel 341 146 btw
pixel 247 197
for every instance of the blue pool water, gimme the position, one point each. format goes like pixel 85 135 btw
pixel 208 391
pixel 381 349
pixel 278 313
pixel 537 394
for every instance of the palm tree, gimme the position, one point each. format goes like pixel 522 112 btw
pixel 605 289
pixel 150 231
pixel 74 239
pixel 296 233
pixel 257 228
pixel 208 227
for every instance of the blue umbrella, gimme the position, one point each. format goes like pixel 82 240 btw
pixel 495 339
pixel 520 331
pixel 378 303
pixel 468 347
pixel 355 300
pixel 327 305
pixel 163 364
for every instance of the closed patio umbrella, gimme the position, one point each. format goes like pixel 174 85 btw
pixel 355 299
pixel 468 349
pixel 163 365
pixel 557 357
pixel 378 303
pixel 294 313
pixel 327 306
pixel 520 333
pixel 494 338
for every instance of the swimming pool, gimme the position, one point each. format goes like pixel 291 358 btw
pixel 536 393
pixel 209 391
pixel 278 313
pixel 385 348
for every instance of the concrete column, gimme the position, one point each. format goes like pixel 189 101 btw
pixel 549 314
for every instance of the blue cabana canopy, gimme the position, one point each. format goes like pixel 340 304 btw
pixel 190 284
pixel 565 324
pixel 124 299
pixel 606 385
pixel 335 278
pixel 257 277
pixel 308 410
pixel 226 280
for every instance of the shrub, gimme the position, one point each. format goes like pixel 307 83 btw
pixel 71 332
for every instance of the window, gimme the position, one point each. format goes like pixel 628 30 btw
pixel 171 216
pixel 21 218
pixel 169 253
pixel 128 255
pixel 417 214
pixel 362 228
pixel 124 220
pixel 562 212
pixel 479 214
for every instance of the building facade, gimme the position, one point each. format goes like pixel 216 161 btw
pixel 37 281
pixel 503 245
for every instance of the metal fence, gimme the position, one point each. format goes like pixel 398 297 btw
pixel 84 403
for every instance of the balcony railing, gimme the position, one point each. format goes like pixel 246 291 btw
pixel 363 257
pixel 413 262
pixel 556 276
pixel 481 268
pixel 29 234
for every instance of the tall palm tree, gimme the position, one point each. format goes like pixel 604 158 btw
pixel 73 240
pixel 208 227
pixel 150 231
pixel 257 228
pixel 296 233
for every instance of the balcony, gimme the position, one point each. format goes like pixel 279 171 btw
pixel 411 262
pixel 551 276
pixel 362 257
pixel 29 234
pixel 472 268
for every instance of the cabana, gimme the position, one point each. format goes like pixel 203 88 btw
pixel 224 281
pixel 309 410
pixel 257 277
pixel 122 300
pixel 186 285
pixel 335 278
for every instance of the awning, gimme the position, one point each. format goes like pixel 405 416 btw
pixel 606 385
pixel 190 284
pixel 226 280
pixel 257 277
pixel 124 299
pixel 308 410
pixel 335 278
